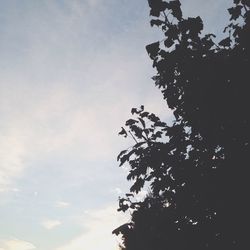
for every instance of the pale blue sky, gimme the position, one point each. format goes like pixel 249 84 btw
pixel 70 71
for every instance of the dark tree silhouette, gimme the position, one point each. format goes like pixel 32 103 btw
pixel 195 168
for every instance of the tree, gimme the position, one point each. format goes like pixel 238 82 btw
pixel 195 168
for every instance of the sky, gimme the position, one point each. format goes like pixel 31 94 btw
pixel 70 72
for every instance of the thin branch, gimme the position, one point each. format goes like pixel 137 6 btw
pixel 133 136
pixel 166 17
pixel 245 7
pixel 216 45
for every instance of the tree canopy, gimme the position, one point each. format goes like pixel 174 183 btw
pixel 196 167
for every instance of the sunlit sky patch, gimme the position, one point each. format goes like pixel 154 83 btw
pixel 70 71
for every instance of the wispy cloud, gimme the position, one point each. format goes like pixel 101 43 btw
pixel 98 226
pixel 11 159
pixel 65 119
pixel 16 244
pixel 62 204
pixel 51 224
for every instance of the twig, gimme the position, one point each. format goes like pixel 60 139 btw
pixel 133 136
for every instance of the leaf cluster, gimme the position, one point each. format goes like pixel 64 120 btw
pixel 196 167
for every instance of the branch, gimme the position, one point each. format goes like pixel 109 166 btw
pixel 133 136
pixel 245 7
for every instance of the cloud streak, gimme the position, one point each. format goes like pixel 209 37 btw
pixel 62 204
pixel 51 224
pixel 16 244
pixel 98 225
pixel 11 159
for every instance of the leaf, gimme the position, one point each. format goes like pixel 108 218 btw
pixel 156 7
pixel 153 49
pixel 142 122
pixel 123 132
pixel 137 145
pixel 144 114
pixel 152 117
pixel 225 42
pixel 172 33
pixel 191 25
pixel 237 30
pixel 129 195
pixel 156 22
pixel 228 27
pixel 158 134
pixel 121 153
pixel 130 122
pixel 168 42
pixel 207 41
pixel 125 157
pixel 160 124
pixel 147 131
pixel 137 131
pixel 210 35
pixel 246 2
pixel 235 12
pixel 175 6
pixel 133 110
pixel 132 175
pixel 137 186
pixel 121 229
pixel 198 25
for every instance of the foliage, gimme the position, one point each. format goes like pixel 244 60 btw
pixel 196 168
